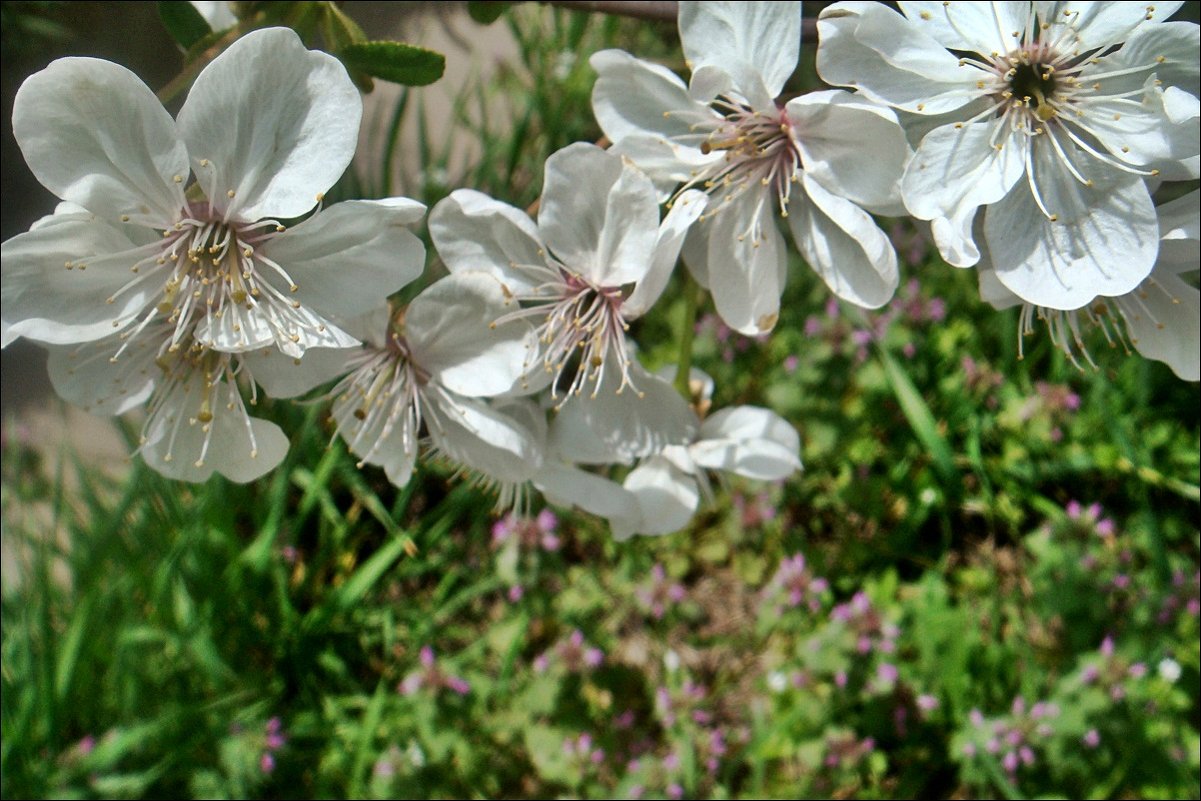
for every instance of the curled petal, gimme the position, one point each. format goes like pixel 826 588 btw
pixel 843 244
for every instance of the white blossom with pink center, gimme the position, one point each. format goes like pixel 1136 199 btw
pixel 266 129
pixel 597 258
pixel 1048 116
pixel 816 162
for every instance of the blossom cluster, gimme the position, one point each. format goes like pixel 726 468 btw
pixel 193 263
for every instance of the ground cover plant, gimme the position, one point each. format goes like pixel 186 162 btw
pixel 985 581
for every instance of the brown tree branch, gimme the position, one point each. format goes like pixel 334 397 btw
pixel 664 10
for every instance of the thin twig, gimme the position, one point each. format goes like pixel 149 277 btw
pixel 663 10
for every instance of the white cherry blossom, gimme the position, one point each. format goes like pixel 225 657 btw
pixel 597 258
pixel 817 161
pixel 266 129
pixel 1161 317
pixel 424 372
pixel 1049 115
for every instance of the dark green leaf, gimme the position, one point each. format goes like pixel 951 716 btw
pixel 486 12
pixel 396 62
pixel 183 22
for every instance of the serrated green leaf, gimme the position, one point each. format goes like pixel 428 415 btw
pixel 486 12
pixel 394 61
pixel 183 22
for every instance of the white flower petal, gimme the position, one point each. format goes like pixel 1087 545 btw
pixel 95 135
pixel 834 130
pixel 564 485
pixel 451 332
pixel 667 498
pixel 1164 320
pixel 386 439
pixel 485 440
pixel 282 376
pixel 274 324
pixel 351 256
pixel 666 163
pixel 1101 24
pixel 572 439
pixel 980 27
pixel 40 298
pixel 890 59
pixel 635 424
pixel 1169 47
pixel 710 80
pixel 752 442
pixel 599 216
pixel 633 97
pixel 1107 250
pixel 1147 135
pixel 956 168
pixel 276 122
pixel 843 244
pixel 992 291
pixel 955 236
pixel 746 263
pixel 474 233
pixel 765 36
pixel 1180 220
pixel 87 376
pixel 684 212
pixel 216 13
pixel 175 439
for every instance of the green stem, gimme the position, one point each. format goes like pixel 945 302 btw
pixel 692 297
pixel 188 74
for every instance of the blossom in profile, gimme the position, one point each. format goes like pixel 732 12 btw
pixel 747 441
pixel 265 131
pixel 818 161
pixel 1048 116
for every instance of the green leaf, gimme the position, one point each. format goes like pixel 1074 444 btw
pixel 68 656
pixel 183 22
pixel 393 61
pixel 922 420
pixel 340 30
pixel 486 12
pixel 357 586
